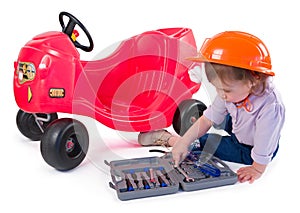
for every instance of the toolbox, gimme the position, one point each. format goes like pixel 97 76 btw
pixel 154 176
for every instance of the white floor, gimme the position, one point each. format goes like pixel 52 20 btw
pixel 28 183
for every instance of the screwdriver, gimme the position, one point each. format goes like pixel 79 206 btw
pixel 135 179
pixel 145 183
pixel 209 169
pixel 128 184
pixel 163 171
pixel 150 173
pixel 161 181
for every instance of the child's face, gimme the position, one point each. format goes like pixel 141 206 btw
pixel 232 91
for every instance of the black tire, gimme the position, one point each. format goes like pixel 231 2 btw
pixel 186 114
pixel 64 144
pixel 28 126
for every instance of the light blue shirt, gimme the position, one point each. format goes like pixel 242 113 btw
pixel 260 127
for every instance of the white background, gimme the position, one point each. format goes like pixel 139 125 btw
pixel 28 184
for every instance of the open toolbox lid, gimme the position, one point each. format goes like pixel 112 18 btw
pixel 153 176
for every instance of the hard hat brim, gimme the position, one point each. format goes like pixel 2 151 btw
pixel 202 59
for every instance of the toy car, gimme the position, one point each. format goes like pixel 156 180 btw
pixel 141 86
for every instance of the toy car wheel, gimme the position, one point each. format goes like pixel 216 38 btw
pixel 32 125
pixel 187 112
pixel 64 144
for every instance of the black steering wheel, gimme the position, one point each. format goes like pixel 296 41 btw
pixel 68 29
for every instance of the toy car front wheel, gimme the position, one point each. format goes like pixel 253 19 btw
pixel 64 144
pixel 33 125
pixel 186 114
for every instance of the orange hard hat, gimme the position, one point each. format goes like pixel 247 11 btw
pixel 238 49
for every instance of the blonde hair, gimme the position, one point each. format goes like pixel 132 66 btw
pixel 229 73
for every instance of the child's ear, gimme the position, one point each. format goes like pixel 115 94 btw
pixel 255 75
pixel 251 84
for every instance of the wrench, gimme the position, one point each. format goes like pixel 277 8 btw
pixel 186 177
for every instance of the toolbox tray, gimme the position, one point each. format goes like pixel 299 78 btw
pixel 153 176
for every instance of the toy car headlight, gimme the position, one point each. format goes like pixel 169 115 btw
pixel 26 72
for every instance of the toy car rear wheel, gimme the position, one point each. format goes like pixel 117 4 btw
pixel 32 125
pixel 64 144
pixel 187 112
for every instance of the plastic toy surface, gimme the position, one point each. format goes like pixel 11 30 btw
pixel 141 86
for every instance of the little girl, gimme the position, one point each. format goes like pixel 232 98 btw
pixel 247 107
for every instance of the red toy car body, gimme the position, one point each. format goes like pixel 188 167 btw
pixel 138 87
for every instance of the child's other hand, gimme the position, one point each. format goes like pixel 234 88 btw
pixel 250 173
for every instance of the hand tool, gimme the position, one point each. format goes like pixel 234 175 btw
pixel 135 179
pixel 163 171
pixel 161 181
pixel 150 173
pixel 202 163
pixel 128 184
pixel 186 177
pixel 209 169
pixel 145 182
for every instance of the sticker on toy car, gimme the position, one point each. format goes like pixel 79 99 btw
pixel 26 72
pixel 57 92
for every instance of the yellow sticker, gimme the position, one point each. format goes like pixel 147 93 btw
pixel 57 92
pixel 29 94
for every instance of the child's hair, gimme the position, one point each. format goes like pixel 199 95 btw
pixel 229 73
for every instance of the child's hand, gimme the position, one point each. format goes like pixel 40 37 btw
pixel 179 152
pixel 251 173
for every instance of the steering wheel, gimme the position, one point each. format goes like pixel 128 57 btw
pixel 68 29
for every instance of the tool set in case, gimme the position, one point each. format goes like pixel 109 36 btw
pixel 153 176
